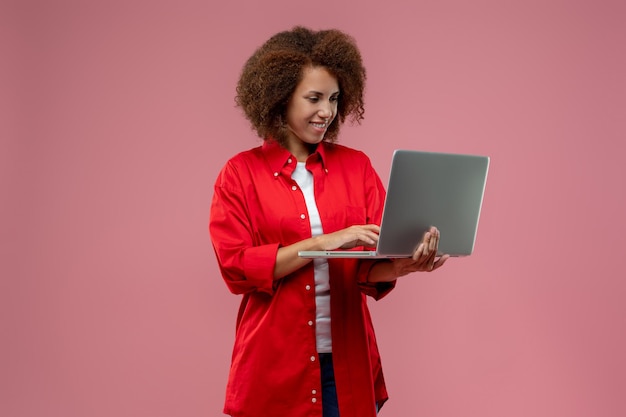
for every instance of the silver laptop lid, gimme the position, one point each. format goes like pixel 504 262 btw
pixel 432 189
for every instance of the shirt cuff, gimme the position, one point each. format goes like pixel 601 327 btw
pixel 258 266
pixel 376 290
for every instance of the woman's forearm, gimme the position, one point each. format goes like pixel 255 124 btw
pixel 287 259
pixel 382 272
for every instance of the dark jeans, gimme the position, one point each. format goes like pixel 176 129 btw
pixel 330 407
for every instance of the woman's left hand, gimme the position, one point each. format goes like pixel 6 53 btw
pixel 424 258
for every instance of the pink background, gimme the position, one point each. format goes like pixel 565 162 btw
pixel 117 116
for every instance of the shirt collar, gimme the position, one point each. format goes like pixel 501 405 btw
pixel 278 157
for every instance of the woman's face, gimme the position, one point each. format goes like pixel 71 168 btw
pixel 311 109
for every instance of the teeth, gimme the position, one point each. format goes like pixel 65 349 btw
pixel 320 125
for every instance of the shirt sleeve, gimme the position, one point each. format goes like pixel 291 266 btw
pixel 376 290
pixel 245 267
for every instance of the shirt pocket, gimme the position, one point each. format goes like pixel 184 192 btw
pixel 355 216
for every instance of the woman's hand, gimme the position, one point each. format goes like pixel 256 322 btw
pixel 348 238
pixel 424 258
pixel 288 261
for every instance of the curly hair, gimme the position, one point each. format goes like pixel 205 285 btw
pixel 271 74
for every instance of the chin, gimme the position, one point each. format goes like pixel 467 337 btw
pixel 315 141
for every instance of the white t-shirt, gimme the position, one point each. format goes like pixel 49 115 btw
pixel 323 338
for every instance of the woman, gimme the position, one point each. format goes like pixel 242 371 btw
pixel 305 344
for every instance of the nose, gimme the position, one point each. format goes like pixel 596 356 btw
pixel 326 110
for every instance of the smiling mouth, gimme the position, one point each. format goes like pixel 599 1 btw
pixel 319 125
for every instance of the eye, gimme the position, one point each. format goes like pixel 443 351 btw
pixel 313 99
pixel 334 98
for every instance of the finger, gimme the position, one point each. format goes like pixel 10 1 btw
pixel 417 255
pixel 427 256
pixel 372 227
pixel 368 237
pixel 426 243
pixel 367 232
pixel 442 260
pixel 431 261
pixel 434 239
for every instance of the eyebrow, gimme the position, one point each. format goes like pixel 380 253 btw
pixel 321 94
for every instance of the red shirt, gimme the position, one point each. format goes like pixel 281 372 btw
pixel 257 208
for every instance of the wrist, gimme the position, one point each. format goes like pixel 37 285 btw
pixel 383 271
pixel 318 243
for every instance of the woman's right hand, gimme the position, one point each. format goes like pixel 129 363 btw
pixel 288 261
pixel 350 237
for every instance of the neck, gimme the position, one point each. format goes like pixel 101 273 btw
pixel 302 152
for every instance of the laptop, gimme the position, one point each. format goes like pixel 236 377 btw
pixel 426 189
